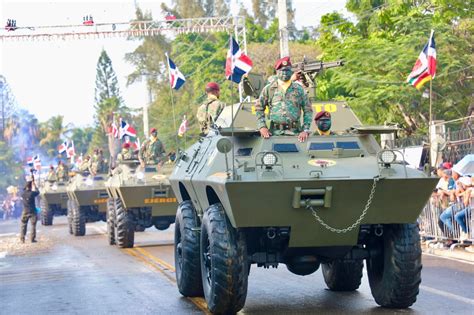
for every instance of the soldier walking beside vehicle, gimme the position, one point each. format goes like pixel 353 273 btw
pixel 208 112
pixel 286 100
pixel 29 210
pixel 152 150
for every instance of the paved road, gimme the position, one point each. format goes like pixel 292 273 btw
pixel 84 275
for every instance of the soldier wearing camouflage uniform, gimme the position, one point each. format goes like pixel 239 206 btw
pixel 152 150
pixel 286 100
pixel 126 153
pixel 209 111
pixel 62 172
pixel 51 175
pixel 97 162
pixel 85 165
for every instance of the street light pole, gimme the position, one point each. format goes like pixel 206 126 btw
pixel 283 25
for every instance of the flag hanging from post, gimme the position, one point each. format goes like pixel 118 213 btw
pixel 114 130
pixel 183 127
pixel 126 129
pixel 177 79
pixel 70 150
pixel 62 147
pixel 34 162
pixel 425 66
pixel 237 63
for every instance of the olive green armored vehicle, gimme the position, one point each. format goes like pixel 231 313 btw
pixel 139 198
pixel 331 201
pixel 87 201
pixel 53 200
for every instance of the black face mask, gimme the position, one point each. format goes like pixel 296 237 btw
pixel 324 124
pixel 284 74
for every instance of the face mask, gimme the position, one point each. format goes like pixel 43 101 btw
pixel 284 74
pixel 324 124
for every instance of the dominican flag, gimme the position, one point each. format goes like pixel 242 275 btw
pixel 237 63
pixel 176 77
pixel 62 147
pixel 34 162
pixel 126 129
pixel 70 150
pixel 114 130
pixel 183 127
pixel 425 67
pixel 134 145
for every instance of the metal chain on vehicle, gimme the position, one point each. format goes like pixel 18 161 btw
pixel 357 222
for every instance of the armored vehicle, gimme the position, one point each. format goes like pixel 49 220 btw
pixel 87 201
pixel 53 200
pixel 331 201
pixel 139 197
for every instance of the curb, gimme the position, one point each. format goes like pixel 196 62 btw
pixel 456 253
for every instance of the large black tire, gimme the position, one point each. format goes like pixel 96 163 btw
pixel 343 275
pixel 111 221
pixel 186 251
pixel 46 213
pixel 125 227
pixel 224 266
pixel 78 219
pixel 69 216
pixel 395 274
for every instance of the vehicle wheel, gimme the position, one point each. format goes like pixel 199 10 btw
pixel 78 219
pixel 395 273
pixel 186 251
pixel 125 227
pixel 69 215
pixel 111 221
pixel 343 275
pixel 46 213
pixel 224 267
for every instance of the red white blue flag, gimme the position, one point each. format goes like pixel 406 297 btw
pixel 62 147
pixel 71 151
pixel 237 63
pixel 425 66
pixel 183 127
pixel 177 79
pixel 126 129
pixel 34 162
pixel 114 130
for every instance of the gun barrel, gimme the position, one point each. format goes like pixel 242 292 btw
pixel 316 66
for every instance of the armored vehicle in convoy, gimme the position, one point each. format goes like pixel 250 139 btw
pixel 331 201
pixel 139 197
pixel 87 201
pixel 53 200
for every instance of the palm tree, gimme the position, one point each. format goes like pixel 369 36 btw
pixel 52 131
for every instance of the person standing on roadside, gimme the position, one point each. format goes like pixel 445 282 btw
pixel 29 209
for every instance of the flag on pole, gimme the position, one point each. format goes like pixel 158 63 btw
pixel 70 150
pixel 177 79
pixel 425 66
pixel 62 147
pixel 114 130
pixel 237 63
pixel 34 162
pixel 183 127
pixel 126 129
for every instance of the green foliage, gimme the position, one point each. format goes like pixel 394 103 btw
pixel 10 167
pixel 52 133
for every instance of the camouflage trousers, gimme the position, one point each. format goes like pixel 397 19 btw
pixel 25 216
pixel 287 132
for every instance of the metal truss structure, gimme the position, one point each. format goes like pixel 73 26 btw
pixel 229 24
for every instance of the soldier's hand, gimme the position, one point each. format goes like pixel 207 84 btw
pixel 265 133
pixel 303 136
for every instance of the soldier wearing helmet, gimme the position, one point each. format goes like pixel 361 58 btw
pixel 323 123
pixel 286 100
pixel 209 111
pixel 152 150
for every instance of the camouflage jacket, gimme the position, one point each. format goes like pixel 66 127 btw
pixel 62 172
pixel 208 112
pixel 52 176
pixel 152 152
pixel 84 166
pixel 285 107
pixel 123 156
pixel 97 164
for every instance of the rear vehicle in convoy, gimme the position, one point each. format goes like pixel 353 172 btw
pixel 332 201
pixel 52 200
pixel 139 198
pixel 87 201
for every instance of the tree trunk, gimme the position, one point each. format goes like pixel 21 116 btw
pixel 410 122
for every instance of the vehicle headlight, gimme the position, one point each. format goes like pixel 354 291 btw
pixel 269 159
pixel 140 175
pixel 387 157
pixel 89 182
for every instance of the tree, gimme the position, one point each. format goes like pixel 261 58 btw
pixel 10 166
pixel 51 134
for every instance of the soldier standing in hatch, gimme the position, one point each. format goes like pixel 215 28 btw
pixel 152 150
pixel 51 175
pixel 62 172
pixel 208 112
pixel 286 100
pixel 323 124
pixel 126 153
pixel 29 210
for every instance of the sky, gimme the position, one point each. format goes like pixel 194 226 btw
pixel 51 78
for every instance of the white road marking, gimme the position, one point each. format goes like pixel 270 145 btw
pixel 448 295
